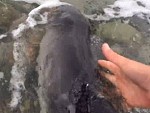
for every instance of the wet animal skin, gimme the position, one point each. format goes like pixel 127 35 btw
pixel 66 65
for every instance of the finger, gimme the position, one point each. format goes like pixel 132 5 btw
pixel 109 77
pixel 113 68
pixel 113 56
pixel 128 66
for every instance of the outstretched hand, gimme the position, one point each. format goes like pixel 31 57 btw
pixel 130 77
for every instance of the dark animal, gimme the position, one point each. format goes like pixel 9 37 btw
pixel 66 74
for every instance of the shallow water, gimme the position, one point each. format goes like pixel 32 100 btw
pixel 90 5
pixel 113 31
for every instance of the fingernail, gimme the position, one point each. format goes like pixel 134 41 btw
pixel 99 61
pixel 106 46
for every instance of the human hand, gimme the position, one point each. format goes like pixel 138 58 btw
pixel 130 77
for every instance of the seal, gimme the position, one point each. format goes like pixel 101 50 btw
pixel 65 65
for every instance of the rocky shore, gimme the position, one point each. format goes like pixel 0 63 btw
pixel 129 37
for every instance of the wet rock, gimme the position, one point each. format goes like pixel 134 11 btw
pixel 8 15
pixel 144 54
pixel 117 48
pixel 119 32
pixel 6 62
pixel 17 21
pixel 77 3
pixel 90 6
pixel 96 6
pixel 34 38
pixel 141 24
pixel 93 7
pixel 20 6
pixel 12 14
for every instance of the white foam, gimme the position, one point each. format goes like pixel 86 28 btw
pixel 53 3
pixel 18 32
pixel 18 71
pixel 1 75
pixel 16 96
pixel 97 17
pixel 126 8
pixel 31 21
pixel 3 36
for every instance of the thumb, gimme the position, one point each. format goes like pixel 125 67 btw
pixel 113 56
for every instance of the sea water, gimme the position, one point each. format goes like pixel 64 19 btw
pixel 120 8
pixel 125 9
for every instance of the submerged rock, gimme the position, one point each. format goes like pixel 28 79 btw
pixel 11 12
pixel 90 6
pixel 119 32
pixel 8 15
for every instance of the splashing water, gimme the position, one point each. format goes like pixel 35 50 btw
pixel 19 68
pixel 125 8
